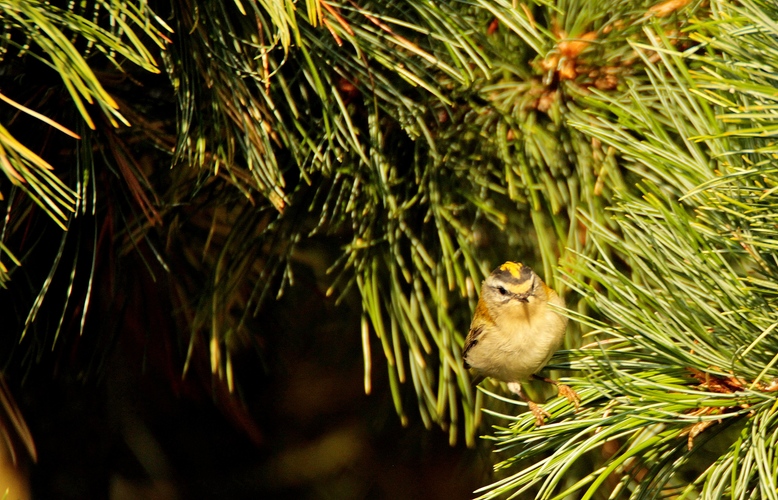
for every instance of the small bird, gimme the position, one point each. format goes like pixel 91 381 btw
pixel 514 332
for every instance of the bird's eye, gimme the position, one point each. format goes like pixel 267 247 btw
pixel 502 290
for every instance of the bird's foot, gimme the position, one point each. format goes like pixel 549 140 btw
pixel 538 412
pixel 570 394
pixel 564 390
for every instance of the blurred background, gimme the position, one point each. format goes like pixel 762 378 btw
pixel 300 427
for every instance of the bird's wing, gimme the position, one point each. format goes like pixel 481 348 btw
pixel 470 341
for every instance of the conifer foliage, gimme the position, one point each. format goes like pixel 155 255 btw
pixel 623 149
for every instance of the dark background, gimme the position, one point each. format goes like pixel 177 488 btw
pixel 297 426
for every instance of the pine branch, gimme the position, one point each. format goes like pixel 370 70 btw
pixel 680 381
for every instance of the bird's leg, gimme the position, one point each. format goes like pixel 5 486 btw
pixel 537 411
pixel 564 390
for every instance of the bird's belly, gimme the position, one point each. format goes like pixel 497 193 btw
pixel 514 357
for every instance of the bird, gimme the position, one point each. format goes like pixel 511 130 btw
pixel 515 331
